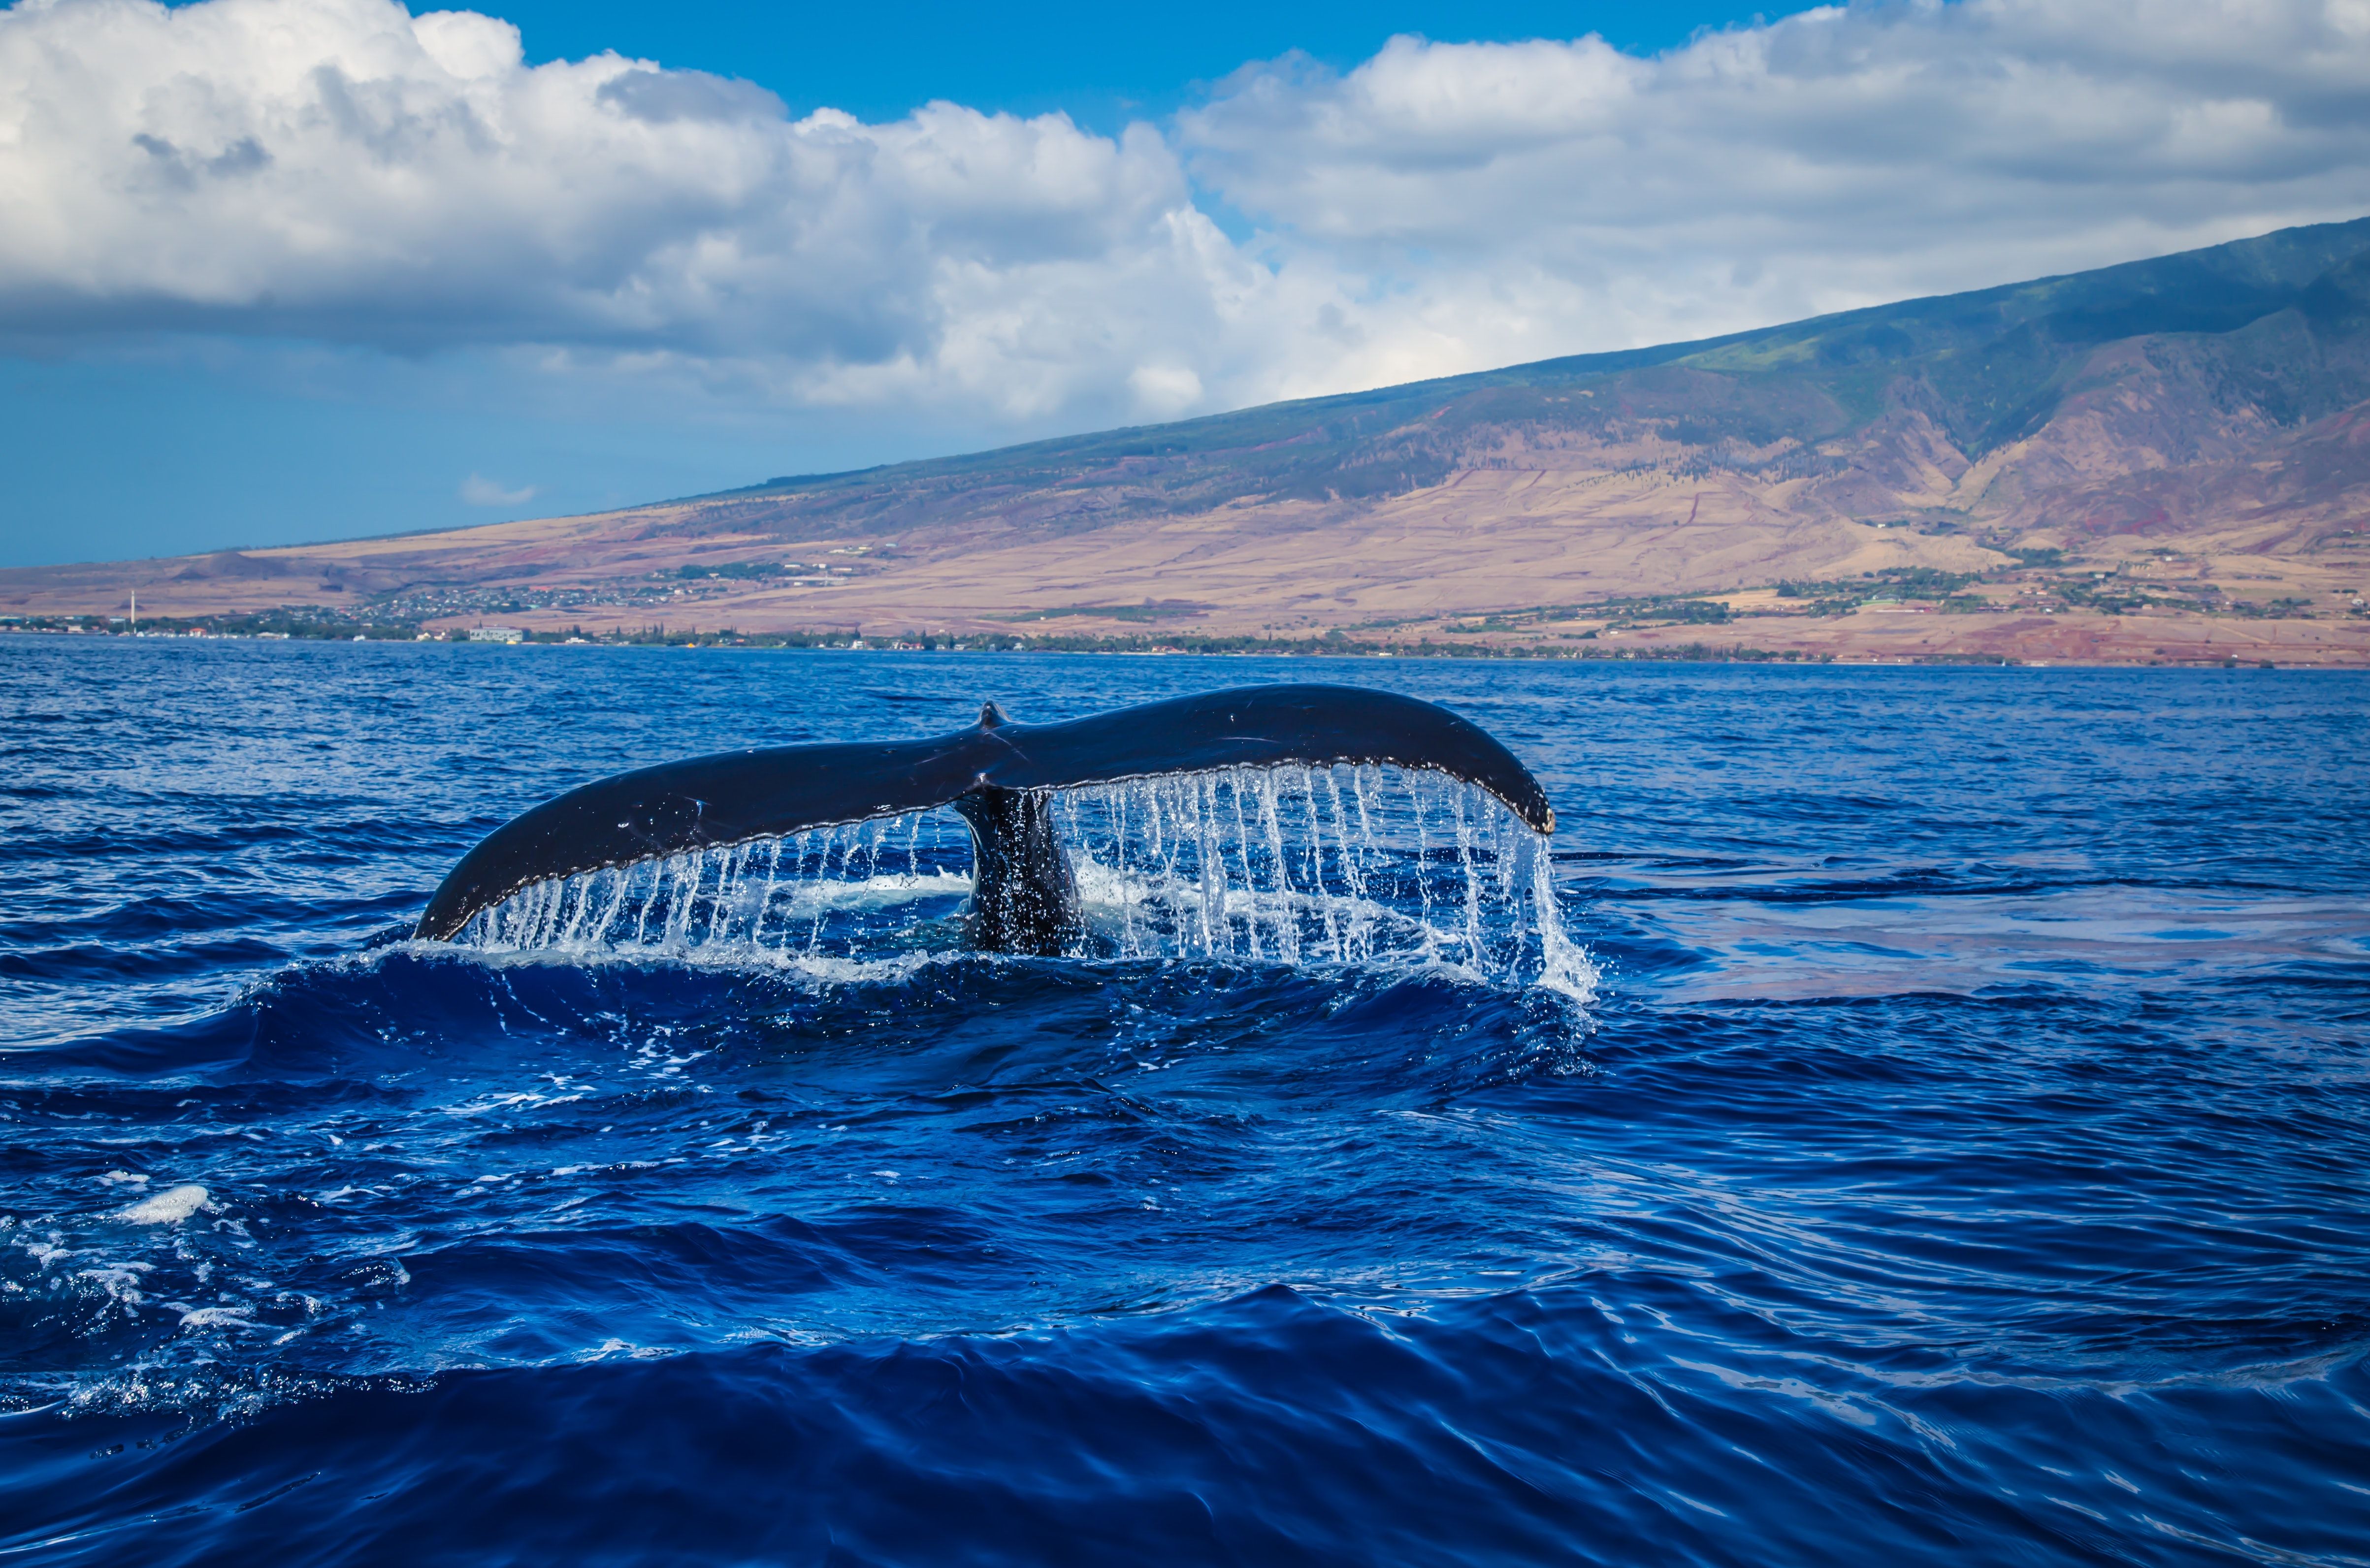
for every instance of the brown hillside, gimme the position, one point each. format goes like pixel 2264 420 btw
pixel 2187 435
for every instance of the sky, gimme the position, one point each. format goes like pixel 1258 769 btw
pixel 1100 64
pixel 278 270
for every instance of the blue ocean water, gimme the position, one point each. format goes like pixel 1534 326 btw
pixel 1960 1152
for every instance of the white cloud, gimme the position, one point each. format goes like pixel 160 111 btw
pixel 339 170
pixel 479 491
pixel 1834 158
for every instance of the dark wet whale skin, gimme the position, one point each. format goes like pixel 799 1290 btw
pixel 773 791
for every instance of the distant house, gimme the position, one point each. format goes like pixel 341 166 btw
pixel 496 635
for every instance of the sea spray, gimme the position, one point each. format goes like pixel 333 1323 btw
pixel 1327 865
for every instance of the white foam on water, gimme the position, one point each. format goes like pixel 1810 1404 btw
pixel 519 1100
pixel 170 1207
pixel 219 1317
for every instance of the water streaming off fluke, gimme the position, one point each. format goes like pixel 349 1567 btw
pixel 1346 865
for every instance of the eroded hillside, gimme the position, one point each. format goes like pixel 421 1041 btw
pixel 2193 422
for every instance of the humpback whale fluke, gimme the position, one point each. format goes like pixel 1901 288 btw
pixel 999 775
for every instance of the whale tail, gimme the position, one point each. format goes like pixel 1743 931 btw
pixel 998 775
pixel 1023 898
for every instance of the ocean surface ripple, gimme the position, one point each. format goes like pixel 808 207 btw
pixel 1951 1144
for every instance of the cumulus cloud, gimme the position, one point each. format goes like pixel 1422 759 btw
pixel 338 168
pixel 340 171
pixel 1836 158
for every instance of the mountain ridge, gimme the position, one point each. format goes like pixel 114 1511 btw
pixel 2227 287
pixel 2194 416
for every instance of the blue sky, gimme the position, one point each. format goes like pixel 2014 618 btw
pixel 273 270
pixel 1099 63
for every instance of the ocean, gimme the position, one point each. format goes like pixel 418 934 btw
pixel 1902 1114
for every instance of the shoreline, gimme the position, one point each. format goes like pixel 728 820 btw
pixel 1642 650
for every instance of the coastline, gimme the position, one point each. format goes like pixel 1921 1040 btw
pixel 2285 645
